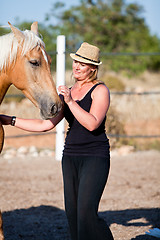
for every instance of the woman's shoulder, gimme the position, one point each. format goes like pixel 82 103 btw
pixel 101 91
pixel 101 88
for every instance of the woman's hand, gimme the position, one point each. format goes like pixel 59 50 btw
pixel 66 92
pixel 5 120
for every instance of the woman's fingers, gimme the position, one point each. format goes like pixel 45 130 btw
pixel 65 91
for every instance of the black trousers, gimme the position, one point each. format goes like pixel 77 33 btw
pixel 84 179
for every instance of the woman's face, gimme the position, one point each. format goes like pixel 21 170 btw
pixel 81 71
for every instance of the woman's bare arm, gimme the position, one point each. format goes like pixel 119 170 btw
pixel 33 125
pixel 98 110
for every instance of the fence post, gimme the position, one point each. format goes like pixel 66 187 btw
pixel 60 80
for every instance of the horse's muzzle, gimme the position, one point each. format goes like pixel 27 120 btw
pixel 49 106
pixel 50 111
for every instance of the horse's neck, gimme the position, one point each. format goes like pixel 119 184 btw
pixel 4 85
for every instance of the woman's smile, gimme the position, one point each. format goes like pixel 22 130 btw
pixel 81 70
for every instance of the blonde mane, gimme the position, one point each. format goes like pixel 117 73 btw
pixel 9 47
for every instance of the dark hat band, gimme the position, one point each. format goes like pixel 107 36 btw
pixel 87 58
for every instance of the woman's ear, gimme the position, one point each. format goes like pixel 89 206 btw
pixel 93 68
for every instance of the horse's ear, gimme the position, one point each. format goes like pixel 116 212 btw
pixel 34 28
pixel 18 34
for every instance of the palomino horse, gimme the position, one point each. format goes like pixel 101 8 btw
pixel 25 64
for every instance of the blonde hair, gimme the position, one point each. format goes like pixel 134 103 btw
pixel 9 47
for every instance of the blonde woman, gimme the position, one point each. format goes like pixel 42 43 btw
pixel 86 154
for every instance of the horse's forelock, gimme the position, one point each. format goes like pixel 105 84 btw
pixel 31 41
pixel 9 47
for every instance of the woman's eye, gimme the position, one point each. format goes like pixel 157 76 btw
pixel 34 63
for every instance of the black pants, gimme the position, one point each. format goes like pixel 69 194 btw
pixel 84 181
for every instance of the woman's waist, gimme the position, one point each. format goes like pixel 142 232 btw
pixel 98 148
pixel 84 137
pixel 87 145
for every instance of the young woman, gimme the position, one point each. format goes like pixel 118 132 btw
pixel 86 155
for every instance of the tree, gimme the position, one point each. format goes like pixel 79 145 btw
pixel 4 31
pixel 112 25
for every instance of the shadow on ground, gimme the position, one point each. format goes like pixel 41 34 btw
pixel 35 223
pixel 50 223
pixel 133 217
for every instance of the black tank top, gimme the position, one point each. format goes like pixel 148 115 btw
pixel 80 141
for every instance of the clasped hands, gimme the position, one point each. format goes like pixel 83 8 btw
pixel 66 92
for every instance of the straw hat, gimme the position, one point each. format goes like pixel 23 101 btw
pixel 87 53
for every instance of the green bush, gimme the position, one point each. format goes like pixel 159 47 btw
pixel 114 126
pixel 113 82
pixel 13 94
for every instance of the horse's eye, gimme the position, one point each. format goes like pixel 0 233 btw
pixel 34 63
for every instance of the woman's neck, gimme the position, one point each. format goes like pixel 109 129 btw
pixel 82 84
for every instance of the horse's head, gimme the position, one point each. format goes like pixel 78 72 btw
pixel 31 72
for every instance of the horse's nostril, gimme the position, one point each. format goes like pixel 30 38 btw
pixel 53 109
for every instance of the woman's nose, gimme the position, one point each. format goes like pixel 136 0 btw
pixel 77 65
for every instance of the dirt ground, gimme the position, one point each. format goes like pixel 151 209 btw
pixel 31 189
pixel 31 196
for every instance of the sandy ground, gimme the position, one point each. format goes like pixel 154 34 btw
pixel 31 189
pixel 31 197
